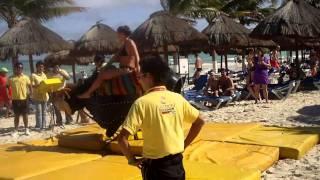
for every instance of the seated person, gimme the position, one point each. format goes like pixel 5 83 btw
pixel 292 72
pixel 225 83
pixel 128 58
pixel 196 75
pixel 212 88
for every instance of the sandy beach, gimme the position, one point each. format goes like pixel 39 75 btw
pixel 300 109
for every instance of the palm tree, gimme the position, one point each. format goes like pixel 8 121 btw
pixel 11 11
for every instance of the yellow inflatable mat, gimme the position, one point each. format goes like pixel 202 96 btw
pixel 24 160
pixel 293 142
pixel 90 137
pixel 238 155
pixel 116 168
pixel 223 131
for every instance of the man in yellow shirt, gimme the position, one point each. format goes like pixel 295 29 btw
pixel 39 98
pixel 64 76
pixel 20 84
pixel 161 115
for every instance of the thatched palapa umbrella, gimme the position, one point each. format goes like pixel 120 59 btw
pixel 224 33
pixel 296 19
pixel 100 38
pixel 163 29
pixel 65 58
pixel 29 37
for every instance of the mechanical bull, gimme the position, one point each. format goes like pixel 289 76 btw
pixel 111 102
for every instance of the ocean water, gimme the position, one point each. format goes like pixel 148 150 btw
pixel 88 68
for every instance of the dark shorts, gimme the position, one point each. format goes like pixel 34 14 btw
pixel 168 168
pixel 20 107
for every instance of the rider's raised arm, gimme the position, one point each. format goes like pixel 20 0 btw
pixel 133 54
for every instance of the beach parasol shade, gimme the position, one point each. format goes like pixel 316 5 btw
pixel 296 19
pixel 29 37
pixel 65 58
pixel 100 38
pixel 287 43
pixel 225 33
pixel 163 29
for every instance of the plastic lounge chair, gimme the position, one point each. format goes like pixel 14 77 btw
pixel 283 92
pixel 200 83
pixel 217 101
pixel 316 83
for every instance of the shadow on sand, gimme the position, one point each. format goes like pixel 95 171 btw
pixel 308 115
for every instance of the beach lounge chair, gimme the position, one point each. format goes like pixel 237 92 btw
pixel 200 83
pixel 215 101
pixel 316 83
pixel 282 92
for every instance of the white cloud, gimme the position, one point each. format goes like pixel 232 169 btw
pixel 115 3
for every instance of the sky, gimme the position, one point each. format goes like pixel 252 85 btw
pixel 111 12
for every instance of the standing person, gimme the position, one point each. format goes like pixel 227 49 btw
pixel 250 71
pixel 198 63
pixel 20 85
pixel 128 58
pixel 40 98
pixel 161 115
pixel 274 61
pixel 261 64
pixel 64 76
pixel 5 90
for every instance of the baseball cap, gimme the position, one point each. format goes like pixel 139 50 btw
pixel 3 69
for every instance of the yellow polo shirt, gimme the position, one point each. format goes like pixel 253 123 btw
pixel 160 115
pixel 37 95
pixel 19 86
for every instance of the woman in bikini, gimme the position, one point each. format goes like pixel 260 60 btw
pixel 128 59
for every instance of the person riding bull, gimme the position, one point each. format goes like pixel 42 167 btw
pixel 128 58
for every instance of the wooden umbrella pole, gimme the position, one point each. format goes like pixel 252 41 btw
pixel 221 61
pixel 243 59
pixel 226 60
pixel 74 73
pixel 166 56
pixel 31 63
pixel 214 62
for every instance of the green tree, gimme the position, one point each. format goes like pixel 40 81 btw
pixel 11 11
pixel 247 11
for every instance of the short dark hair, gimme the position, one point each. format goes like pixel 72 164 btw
pixel 18 64
pixel 157 67
pixel 98 58
pixel 125 30
pixel 39 63
pixel 262 50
